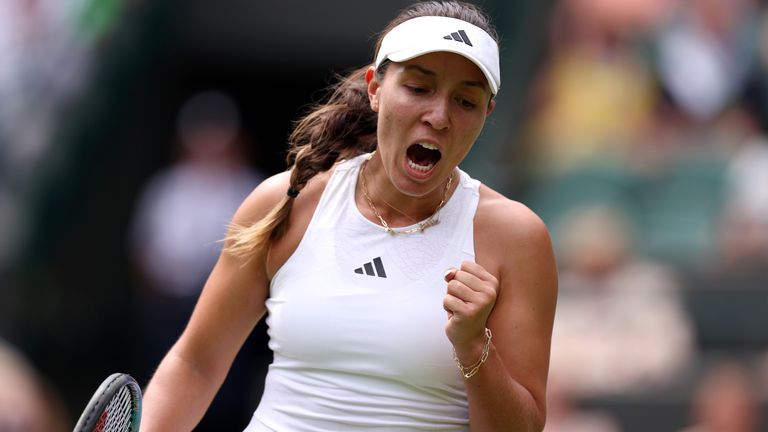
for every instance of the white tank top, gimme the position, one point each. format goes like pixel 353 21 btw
pixel 357 325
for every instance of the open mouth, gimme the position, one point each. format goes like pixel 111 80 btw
pixel 422 157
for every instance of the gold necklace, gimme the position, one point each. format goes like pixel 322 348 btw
pixel 413 220
pixel 431 221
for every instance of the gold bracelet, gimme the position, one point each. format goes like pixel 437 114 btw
pixel 469 371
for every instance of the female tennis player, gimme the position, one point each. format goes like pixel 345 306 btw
pixel 400 293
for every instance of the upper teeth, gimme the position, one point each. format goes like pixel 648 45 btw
pixel 428 146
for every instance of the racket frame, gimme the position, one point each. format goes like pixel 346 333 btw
pixel 102 397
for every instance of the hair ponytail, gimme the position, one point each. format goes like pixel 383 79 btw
pixel 341 127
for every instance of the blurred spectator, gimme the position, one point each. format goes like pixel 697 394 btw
pixel 27 402
pixel 726 293
pixel 184 210
pixel 42 64
pixel 686 179
pixel 741 255
pixel 596 91
pixel 565 415
pixel 747 175
pixel 45 62
pixel 742 251
pixel 180 219
pixel 706 51
pixel 620 325
pixel 725 400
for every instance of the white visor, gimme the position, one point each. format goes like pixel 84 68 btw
pixel 428 34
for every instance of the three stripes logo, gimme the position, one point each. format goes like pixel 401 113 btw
pixel 373 268
pixel 460 36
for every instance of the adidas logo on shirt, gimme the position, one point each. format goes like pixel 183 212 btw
pixel 460 36
pixel 373 268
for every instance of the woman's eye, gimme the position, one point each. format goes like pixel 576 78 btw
pixel 467 104
pixel 417 89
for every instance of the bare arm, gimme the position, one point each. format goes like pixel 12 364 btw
pixel 230 305
pixel 512 290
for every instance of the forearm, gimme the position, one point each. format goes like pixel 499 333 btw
pixel 499 403
pixel 177 396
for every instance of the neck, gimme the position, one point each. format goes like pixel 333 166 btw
pixel 396 207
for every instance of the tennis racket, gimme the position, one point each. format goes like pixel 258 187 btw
pixel 115 407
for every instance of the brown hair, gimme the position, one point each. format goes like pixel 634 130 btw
pixel 340 127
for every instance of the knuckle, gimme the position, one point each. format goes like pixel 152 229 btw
pixel 489 296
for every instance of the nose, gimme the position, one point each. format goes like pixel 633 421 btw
pixel 438 115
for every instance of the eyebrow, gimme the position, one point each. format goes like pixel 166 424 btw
pixel 428 72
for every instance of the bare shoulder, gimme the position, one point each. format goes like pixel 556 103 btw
pixel 507 227
pixel 513 243
pixel 262 199
pixel 266 197
pixel 271 192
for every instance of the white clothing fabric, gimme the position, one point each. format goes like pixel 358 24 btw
pixel 180 220
pixel 356 321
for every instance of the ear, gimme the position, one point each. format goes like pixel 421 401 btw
pixel 491 106
pixel 373 88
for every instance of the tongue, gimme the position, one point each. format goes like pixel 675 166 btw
pixel 423 156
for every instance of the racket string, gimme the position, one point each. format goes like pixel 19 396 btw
pixel 119 412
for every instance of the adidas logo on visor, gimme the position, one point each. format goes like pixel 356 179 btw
pixel 460 36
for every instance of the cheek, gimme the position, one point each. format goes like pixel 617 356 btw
pixel 383 122
pixel 468 139
pixel 464 150
pixel 474 131
pixel 385 132
pixel 390 122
